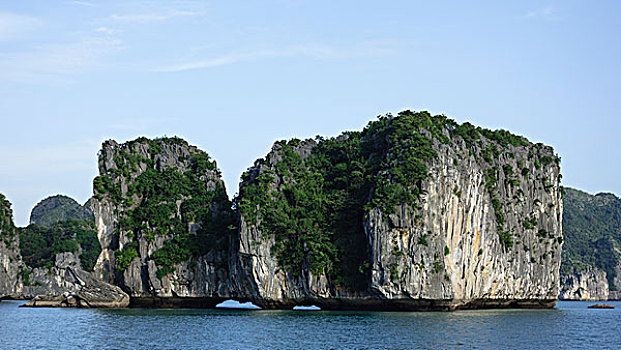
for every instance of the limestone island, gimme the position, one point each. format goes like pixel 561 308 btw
pixel 414 212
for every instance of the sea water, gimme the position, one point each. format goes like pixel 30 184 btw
pixel 571 325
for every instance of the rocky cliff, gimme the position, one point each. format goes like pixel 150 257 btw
pixel 10 259
pixel 591 267
pixel 413 212
pixel 47 264
pixel 163 218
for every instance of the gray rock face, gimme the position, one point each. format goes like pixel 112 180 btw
pixel 590 283
pixel 475 266
pixel 58 208
pixel 615 292
pixel 10 258
pixel 88 205
pixel 64 284
pixel 74 287
pixel 446 254
pixel 67 285
pixel 190 242
pixel 9 267
pixel 585 285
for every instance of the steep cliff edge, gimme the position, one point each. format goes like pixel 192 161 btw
pixel 591 266
pixel 163 218
pixel 413 212
pixel 10 279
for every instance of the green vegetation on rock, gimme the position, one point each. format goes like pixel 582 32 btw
pixel 188 205
pixel 592 230
pixel 125 256
pixel 58 208
pixel 39 245
pixel 315 206
pixel 6 218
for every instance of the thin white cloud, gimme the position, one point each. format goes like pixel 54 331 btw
pixel 13 26
pixel 56 62
pixel 547 13
pixel 153 16
pixel 84 3
pixel 321 52
pixel 219 61
pixel 62 62
pixel 108 31
pixel 366 49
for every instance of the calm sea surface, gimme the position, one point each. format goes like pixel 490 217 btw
pixel 569 326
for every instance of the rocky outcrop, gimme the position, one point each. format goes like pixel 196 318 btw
pixel 585 285
pixel 163 218
pixel 64 283
pixel 591 266
pixel 590 283
pixel 485 230
pixel 67 285
pixel 58 208
pixel 74 287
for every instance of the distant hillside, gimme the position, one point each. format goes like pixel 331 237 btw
pixel 59 208
pixel 59 224
pixel 592 228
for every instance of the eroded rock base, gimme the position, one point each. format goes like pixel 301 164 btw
pixel 361 304
pixel 175 303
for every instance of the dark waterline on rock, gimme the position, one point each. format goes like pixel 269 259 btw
pixel 571 325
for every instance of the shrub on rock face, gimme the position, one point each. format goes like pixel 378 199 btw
pixel 6 217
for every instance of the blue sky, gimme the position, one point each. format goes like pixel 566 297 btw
pixel 233 76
